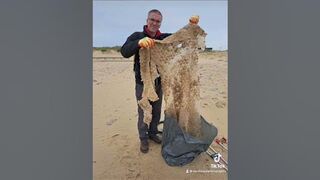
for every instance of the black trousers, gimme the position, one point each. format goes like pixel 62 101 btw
pixel 143 129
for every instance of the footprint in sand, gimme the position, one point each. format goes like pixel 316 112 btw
pixel 110 122
pixel 222 92
pixel 125 146
pixel 220 104
pixel 120 139
pixel 115 135
pixel 214 99
pixel 204 105
pixel 128 162
pixel 126 159
pixel 132 174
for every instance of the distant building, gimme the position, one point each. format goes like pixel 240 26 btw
pixel 208 49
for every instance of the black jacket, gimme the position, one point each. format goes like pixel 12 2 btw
pixel 131 47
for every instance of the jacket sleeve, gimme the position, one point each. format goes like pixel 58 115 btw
pixel 130 47
pixel 166 35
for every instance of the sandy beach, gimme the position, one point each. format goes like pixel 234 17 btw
pixel 116 153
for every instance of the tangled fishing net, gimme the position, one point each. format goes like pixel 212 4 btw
pixel 175 59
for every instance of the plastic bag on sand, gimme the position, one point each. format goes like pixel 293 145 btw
pixel 180 148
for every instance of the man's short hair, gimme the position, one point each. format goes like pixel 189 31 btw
pixel 154 11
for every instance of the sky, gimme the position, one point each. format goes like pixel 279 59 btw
pixel 115 21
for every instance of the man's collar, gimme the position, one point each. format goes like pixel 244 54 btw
pixel 146 30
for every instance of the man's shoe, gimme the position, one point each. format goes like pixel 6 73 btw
pixel 155 138
pixel 144 146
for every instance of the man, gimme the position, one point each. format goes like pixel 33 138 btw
pixel 131 47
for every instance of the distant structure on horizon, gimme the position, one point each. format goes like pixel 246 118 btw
pixel 208 49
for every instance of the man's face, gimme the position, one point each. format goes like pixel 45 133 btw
pixel 154 22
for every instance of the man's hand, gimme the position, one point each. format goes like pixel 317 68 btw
pixel 146 42
pixel 194 19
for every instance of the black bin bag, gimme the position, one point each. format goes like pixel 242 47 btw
pixel 180 148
